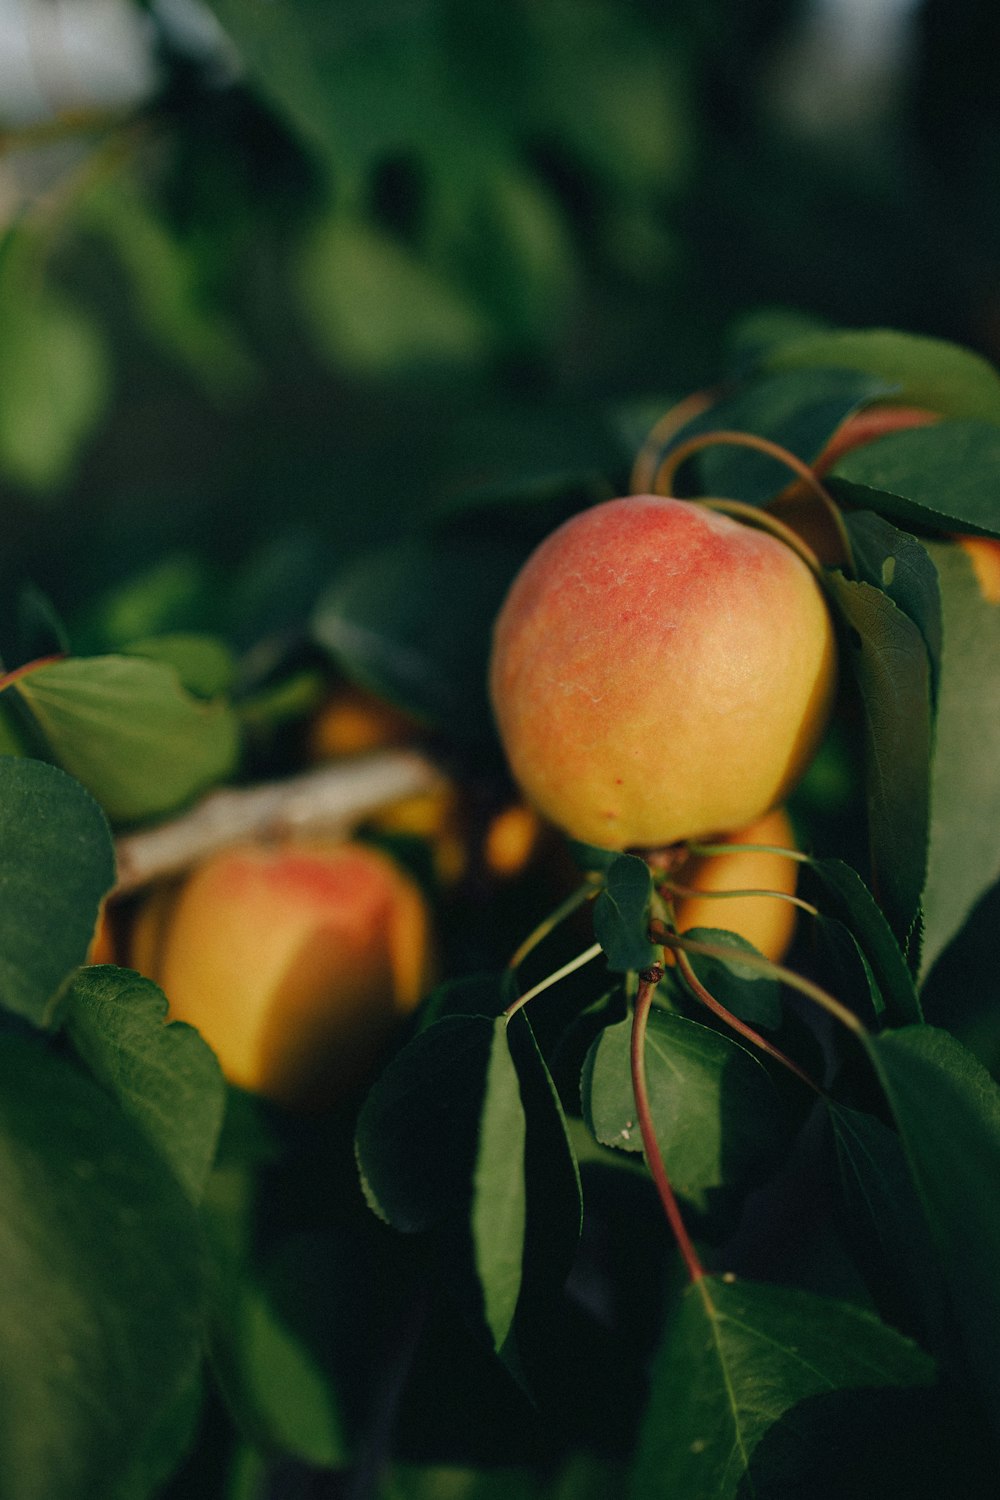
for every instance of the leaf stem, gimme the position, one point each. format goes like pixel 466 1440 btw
pixel 565 909
pixel 699 848
pixel 674 889
pixel 644 470
pixel 648 980
pixel 544 984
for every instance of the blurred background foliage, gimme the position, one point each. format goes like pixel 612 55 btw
pixel 279 276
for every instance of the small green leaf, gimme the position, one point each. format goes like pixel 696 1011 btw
pixel 165 1078
pixel 56 863
pixel 890 663
pixel 498 1199
pixel 127 729
pixel 926 372
pixel 719 1120
pixel 101 1300
pixel 947 1108
pixel 736 1358
pixel 621 914
pixel 942 476
pixel 964 851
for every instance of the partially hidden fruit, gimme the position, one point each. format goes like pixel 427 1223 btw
pixel 767 922
pixel 295 961
pixel 660 672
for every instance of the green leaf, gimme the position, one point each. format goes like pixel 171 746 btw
pixel 746 991
pixel 720 1122
pixel 736 1358
pixel 861 914
pixel 128 730
pixel 621 915
pixel 941 476
pixel 101 1296
pixel 56 863
pixel 964 849
pixel 927 372
pixel 204 664
pixel 947 1108
pixel 889 660
pixel 799 410
pixel 165 1078
pixel 498 1198
pixel 413 622
pixel 896 563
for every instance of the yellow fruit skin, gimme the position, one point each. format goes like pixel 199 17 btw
pixel 660 672
pixel 984 554
pixel 766 922
pixel 295 962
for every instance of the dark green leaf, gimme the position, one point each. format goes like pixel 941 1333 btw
pixel 737 1356
pixel 746 991
pixel 942 476
pixel 102 1288
pixel 896 563
pixel 56 863
pixel 964 850
pixel 621 914
pixel 855 905
pixel 889 660
pixel 498 1189
pixel 719 1119
pixel 165 1078
pixel 854 981
pixel 798 410
pixel 947 1108
pixel 927 372
pixel 413 622
pixel 127 729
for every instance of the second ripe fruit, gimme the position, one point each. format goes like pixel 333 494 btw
pixel 660 672
pixel 294 961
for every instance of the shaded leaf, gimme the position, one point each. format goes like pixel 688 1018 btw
pixel 165 1078
pixel 889 660
pixel 101 1297
pixel 947 1109
pixel 963 858
pixel 942 476
pixel 498 1196
pixel 861 914
pixel 127 729
pixel 746 991
pixel 927 372
pixel 898 564
pixel 621 914
pixel 720 1122
pixel 56 864
pixel 736 1357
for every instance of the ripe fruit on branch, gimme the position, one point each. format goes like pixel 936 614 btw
pixel 765 921
pixel 294 960
pixel 660 672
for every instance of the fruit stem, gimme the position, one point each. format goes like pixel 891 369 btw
pixel 585 892
pixel 647 461
pixel 544 984
pixel 648 980
pixel 667 472
pixel 673 889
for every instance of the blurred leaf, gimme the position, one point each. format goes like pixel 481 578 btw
pixel 896 563
pixel 889 660
pixel 737 1356
pixel 719 1120
pixel 927 372
pixel 163 598
pixel 165 1078
pixel 413 622
pixel 205 665
pixel 942 476
pixel 947 1109
pixel 54 384
pixel 964 849
pixel 128 730
pixel 102 1287
pixel 861 914
pixel 746 991
pixel 57 862
pixel 800 410
pixel 621 915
